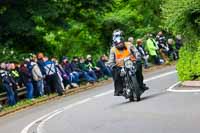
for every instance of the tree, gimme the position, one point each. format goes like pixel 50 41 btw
pixel 73 27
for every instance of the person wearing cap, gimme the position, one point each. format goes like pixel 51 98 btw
pixel 118 52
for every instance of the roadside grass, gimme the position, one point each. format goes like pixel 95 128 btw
pixel 26 102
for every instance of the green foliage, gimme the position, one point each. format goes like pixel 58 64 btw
pixel 73 27
pixel 183 17
pixel 135 17
pixel 189 66
pixel 11 55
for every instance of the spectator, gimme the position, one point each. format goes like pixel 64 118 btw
pixel 102 65
pixel 160 39
pixel 14 72
pixel 13 75
pixel 163 47
pixel 178 44
pixel 152 49
pixel 18 80
pixel 52 77
pixel 27 79
pixel 143 53
pixel 91 66
pixel 68 68
pixel 81 74
pixel 7 84
pixel 37 77
pixel 84 68
pixel 172 50
pixel 131 40
pixel 64 76
pixel 40 63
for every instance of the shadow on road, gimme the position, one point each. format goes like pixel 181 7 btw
pixel 153 95
pixel 143 98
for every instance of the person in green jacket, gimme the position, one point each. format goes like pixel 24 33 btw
pixel 152 48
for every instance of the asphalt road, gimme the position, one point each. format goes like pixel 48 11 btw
pixel 98 111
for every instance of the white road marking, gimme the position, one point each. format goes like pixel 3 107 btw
pixel 171 89
pixel 103 94
pixel 160 76
pixel 50 115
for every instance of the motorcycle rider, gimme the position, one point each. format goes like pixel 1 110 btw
pixel 118 52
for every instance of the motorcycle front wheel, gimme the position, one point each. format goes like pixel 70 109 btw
pixel 135 89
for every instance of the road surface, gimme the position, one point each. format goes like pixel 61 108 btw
pixel 98 111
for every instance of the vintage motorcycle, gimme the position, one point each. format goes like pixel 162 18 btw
pixel 131 89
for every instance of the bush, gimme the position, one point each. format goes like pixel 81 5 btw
pixel 188 65
pixel 183 16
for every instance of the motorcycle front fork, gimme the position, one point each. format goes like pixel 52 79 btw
pixel 126 90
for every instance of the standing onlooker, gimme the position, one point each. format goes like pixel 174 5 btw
pixel 7 84
pixel 40 63
pixel 27 79
pixel 14 76
pixel 102 65
pixel 52 77
pixel 15 73
pixel 178 44
pixel 172 50
pixel 152 49
pixel 18 80
pixel 142 52
pixel 37 77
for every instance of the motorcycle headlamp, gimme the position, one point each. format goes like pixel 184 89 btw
pixel 128 64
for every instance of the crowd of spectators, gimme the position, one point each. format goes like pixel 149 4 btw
pixel 163 50
pixel 42 76
pixel 158 50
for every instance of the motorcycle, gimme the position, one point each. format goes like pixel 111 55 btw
pixel 131 89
